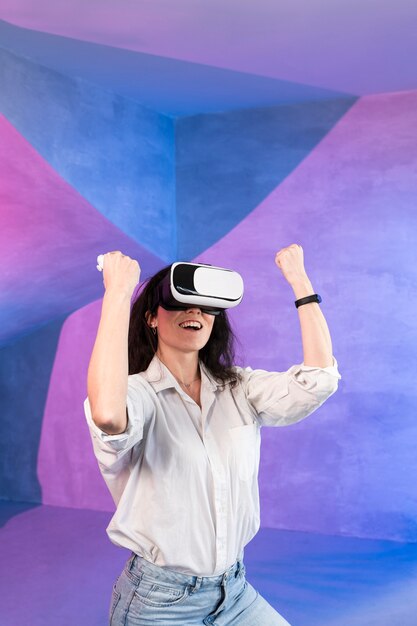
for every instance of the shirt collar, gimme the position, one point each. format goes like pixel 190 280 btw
pixel 160 377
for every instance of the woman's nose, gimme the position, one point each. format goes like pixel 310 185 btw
pixel 194 308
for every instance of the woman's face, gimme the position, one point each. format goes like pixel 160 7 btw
pixel 172 332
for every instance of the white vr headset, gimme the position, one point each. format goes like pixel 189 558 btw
pixel 212 289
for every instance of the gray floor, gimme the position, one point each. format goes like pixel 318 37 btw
pixel 58 567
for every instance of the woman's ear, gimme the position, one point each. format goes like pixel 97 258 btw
pixel 149 318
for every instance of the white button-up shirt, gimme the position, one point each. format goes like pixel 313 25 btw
pixel 185 479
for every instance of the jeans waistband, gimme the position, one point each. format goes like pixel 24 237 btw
pixel 138 565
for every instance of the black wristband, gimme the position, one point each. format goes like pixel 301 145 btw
pixel 314 298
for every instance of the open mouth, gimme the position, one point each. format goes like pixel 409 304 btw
pixel 191 326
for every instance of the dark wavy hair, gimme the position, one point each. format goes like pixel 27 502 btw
pixel 217 355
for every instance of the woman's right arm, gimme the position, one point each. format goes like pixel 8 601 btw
pixel 108 368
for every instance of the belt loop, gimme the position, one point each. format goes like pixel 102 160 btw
pixel 197 584
pixel 131 561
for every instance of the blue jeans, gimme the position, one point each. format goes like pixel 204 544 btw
pixel 146 594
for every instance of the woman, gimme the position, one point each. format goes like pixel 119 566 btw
pixel 175 427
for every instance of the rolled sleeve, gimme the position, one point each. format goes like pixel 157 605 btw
pixel 283 398
pixel 111 448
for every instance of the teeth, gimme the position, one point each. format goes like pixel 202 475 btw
pixel 191 325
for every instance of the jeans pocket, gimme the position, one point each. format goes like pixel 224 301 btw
pixel 159 594
pixel 115 597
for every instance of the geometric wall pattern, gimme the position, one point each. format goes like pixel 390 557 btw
pixel 86 170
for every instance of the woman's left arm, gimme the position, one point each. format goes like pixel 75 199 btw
pixel 317 343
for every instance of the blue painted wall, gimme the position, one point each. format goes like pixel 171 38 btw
pixel 227 163
pixel 116 153
pixel 170 86
pixel 25 369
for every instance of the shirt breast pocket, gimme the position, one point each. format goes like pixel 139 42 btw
pixel 245 445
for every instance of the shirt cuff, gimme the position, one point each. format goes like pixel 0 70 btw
pixel 100 433
pixel 330 369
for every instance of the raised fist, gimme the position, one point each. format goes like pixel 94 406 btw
pixel 290 261
pixel 120 272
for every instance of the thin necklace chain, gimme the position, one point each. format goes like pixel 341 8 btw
pixel 187 385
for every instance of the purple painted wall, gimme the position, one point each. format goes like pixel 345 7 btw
pixel 347 469
pixel 353 47
pixel 343 186
pixel 67 470
pixel 351 204
pixel 49 240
